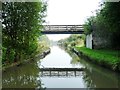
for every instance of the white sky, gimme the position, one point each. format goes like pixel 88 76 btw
pixel 69 12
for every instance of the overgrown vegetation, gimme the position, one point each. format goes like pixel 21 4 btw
pixel 44 44
pixel 72 41
pixel 107 58
pixel 21 23
pixel 106 24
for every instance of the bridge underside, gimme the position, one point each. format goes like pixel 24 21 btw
pixel 62 32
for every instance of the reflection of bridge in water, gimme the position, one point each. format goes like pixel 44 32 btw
pixel 63 29
pixel 61 72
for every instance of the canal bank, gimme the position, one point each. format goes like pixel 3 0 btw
pixel 18 63
pixel 105 58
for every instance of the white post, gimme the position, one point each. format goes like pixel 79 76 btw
pixel 89 41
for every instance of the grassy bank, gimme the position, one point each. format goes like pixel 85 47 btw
pixel 106 58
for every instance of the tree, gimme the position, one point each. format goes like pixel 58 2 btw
pixel 21 28
pixel 111 13
pixel 106 24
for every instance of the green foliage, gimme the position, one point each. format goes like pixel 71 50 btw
pixel 3 54
pixel 72 41
pixel 11 56
pixel 8 58
pixel 110 13
pixel 44 44
pixel 106 24
pixel 88 26
pixel 21 28
pixel 108 58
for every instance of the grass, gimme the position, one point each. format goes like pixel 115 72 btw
pixel 107 58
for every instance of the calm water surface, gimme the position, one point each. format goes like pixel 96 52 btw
pixel 29 75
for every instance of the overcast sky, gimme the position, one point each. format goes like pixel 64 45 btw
pixel 69 12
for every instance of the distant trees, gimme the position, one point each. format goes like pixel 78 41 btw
pixel 44 43
pixel 106 24
pixel 21 28
pixel 72 41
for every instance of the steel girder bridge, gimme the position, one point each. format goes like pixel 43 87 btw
pixel 62 29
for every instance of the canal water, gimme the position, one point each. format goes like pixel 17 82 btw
pixel 29 76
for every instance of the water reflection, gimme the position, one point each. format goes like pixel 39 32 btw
pixel 28 75
pixel 100 78
pixel 25 76
pixel 57 58
pixel 95 76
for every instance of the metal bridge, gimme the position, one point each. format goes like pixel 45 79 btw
pixel 61 72
pixel 62 29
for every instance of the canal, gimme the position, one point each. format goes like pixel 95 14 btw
pixel 28 75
